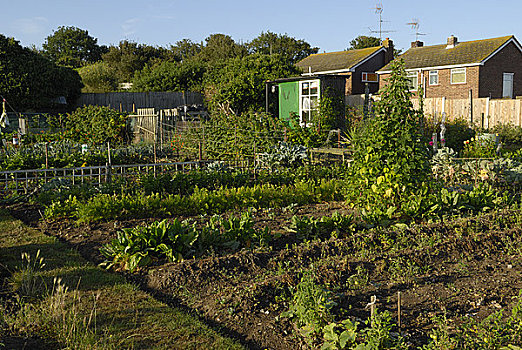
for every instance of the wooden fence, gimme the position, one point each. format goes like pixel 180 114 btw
pixel 131 101
pixel 149 125
pixel 484 112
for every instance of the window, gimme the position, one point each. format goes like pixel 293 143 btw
pixel 434 77
pixel 507 85
pixel 369 77
pixel 308 100
pixel 458 76
pixel 413 78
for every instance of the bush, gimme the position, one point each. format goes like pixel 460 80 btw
pixel 95 124
pixel 458 130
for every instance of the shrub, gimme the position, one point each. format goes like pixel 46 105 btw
pixel 390 165
pixel 95 124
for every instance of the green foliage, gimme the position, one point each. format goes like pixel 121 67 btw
pixel 311 306
pixel 510 135
pixel 284 155
pixel 72 47
pixel 331 112
pixel 137 247
pixel 268 43
pixel 479 147
pixel 458 130
pixel 309 228
pixel 496 331
pixel 220 47
pixel 235 136
pixel 239 83
pixel 201 201
pixel 377 335
pixel 186 49
pixel 30 81
pixel 363 41
pixel 98 77
pixel 170 76
pixel 95 124
pixel 129 57
pixel 390 161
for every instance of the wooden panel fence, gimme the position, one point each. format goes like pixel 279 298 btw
pixel 484 112
pixel 131 101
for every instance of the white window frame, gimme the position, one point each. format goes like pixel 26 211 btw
pixel 309 108
pixel 458 71
pixel 414 76
pixel 512 78
pixel 435 75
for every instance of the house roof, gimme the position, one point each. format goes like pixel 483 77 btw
pixel 464 53
pixel 337 61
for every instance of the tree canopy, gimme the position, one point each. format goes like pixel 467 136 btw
pixel 171 76
pixel 72 47
pixel 129 57
pixel 363 41
pixel 28 80
pixel 221 47
pixel 269 43
pixel 239 83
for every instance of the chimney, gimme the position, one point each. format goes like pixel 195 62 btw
pixel 452 42
pixel 388 45
pixel 416 43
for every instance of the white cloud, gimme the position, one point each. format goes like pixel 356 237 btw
pixel 35 25
pixel 129 26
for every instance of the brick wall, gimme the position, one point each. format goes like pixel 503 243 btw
pixel 445 88
pixel 448 90
pixel 508 60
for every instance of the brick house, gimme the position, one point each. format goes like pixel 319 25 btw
pixel 353 65
pixel 455 70
pixel 336 73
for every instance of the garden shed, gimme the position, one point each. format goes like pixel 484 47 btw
pixel 300 95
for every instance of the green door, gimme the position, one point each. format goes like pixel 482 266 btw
pixel 288 99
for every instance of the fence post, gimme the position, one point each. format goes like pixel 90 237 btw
pixel 108 173
pixel 47 155
pixel 155 159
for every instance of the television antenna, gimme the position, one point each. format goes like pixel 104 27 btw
pixel 378 10
pixel 415 24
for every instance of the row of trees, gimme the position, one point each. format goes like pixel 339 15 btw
pixel 230 74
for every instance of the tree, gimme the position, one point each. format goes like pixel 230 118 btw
pixel 98 77
pixel 171 76
pixel 185 49
pixel 28 80
pixel 129 57
pixel 221 47
pixel 363 41
pixel 72 47
pixel 239 83
pixel 270 43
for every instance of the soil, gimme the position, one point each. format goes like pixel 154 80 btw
pixel 468 271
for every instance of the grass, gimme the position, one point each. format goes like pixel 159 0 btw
pixel 66 302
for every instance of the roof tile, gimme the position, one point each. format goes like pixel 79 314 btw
pixel 467 52
pixel 324 62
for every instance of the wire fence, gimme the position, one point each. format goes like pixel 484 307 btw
pixel 27 181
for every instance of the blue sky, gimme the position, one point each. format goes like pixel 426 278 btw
pixel 329 25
